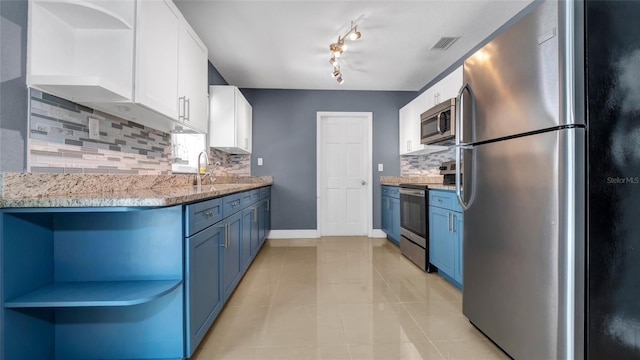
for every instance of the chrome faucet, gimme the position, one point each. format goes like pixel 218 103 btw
pixel 204 171
pixel 216 164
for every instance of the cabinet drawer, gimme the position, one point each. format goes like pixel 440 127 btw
pixel 255 196
pixel 391 191
pixel 231 204
pixel 202 215
pixel 444 199
pixel 249 197
pixel 264 192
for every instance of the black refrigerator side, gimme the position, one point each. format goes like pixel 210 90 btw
pixel 613 242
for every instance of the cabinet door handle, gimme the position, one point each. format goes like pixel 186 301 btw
pixel 181 108
pixel 268 205
pixel 453 223
pixel 449 222
pixel 228 236
pixel 255 215
pixel 187 107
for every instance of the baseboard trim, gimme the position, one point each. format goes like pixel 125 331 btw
pixel 313 234
pixel 293 234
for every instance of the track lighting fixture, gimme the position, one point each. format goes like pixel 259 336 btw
pixel 338 47
pixel 336 71
pixel 355 34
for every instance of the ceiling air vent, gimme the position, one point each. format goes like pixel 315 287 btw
pixel 444 43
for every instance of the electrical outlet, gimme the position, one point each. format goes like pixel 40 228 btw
pixel 259 161
pixel 380 167
pixel 94 129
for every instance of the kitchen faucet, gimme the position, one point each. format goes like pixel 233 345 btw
pixel 204 171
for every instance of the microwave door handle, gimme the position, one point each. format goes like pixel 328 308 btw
pixel 438 123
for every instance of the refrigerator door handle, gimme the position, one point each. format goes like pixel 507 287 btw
pixel 461 146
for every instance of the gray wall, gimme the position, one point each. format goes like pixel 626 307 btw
pixel 13 88
pixel 214 76
pixel 284 135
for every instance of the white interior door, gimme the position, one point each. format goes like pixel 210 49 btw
pixel 344 173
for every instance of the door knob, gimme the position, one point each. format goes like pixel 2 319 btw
pixel 363 182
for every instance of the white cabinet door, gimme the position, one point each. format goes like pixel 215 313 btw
pixel 157 36
pixel 192 77
pixel 239 119
pixel 404 119
pixel 451 84
pixel 248 113
pixel 230 120
pixel 243 122
pixel 418 106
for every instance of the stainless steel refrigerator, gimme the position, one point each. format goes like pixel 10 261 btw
pixel 524 187
pixel 551 144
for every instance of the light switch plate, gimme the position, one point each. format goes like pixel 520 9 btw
pixel 380 167
pixel 259 161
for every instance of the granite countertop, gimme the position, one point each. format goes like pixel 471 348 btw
pixel 432 182
pixel 60 191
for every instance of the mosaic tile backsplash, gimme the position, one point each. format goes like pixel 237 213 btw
pixel 425 165
pixel 230 164
pixel 60 143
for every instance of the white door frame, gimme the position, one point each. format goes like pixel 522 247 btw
pixel 368 116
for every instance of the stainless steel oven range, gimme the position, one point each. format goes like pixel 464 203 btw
pixel 414 224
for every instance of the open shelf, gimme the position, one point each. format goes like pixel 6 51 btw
pixel 79 88
pixel 94 294
pixel 84 15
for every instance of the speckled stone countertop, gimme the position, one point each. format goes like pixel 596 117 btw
pixel 433 182
pixel 29 190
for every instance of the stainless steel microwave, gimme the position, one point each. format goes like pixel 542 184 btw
pixel 438 124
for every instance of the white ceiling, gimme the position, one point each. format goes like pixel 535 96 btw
pixel 285 44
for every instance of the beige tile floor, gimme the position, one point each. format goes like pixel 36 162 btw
pixel 342 298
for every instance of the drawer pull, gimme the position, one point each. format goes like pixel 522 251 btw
pixel 209 213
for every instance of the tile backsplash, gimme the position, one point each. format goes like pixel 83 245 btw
pixel 425 165
pixel 230 164
pixel 60 143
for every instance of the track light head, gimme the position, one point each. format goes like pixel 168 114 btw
pixel 336 49
pixel 336 72
pixel 340 80
pixel 355 34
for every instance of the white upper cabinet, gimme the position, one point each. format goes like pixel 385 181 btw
pixel 138 60
pixel 158 36
pixel 192 80
pixel 446 88
pixel 230 120
pixel 409 115
pixel 81 50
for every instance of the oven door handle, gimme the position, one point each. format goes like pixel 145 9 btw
pixel 412 192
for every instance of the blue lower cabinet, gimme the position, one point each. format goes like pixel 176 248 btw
pixel 395 221
pixel 442 248
pixel 247 229
pixel 390 215
pixel 85 280
pixel 231 254
pixel 445 235
pixel 114 283
pixel 255 228
pixel 202 283
pixel 457 271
